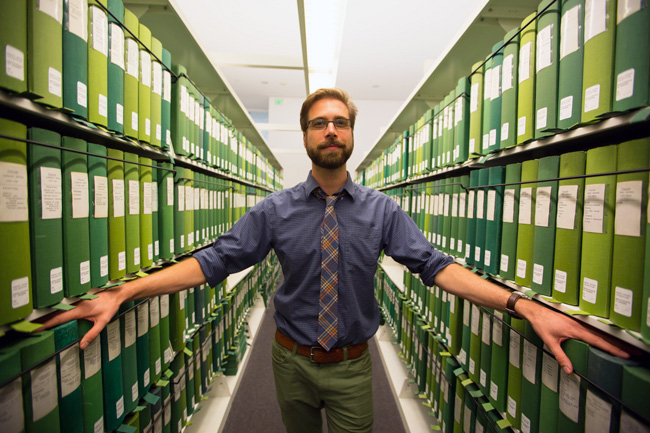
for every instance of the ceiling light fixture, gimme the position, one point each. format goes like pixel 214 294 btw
pixel 324 31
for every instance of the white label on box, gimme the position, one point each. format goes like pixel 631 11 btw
pixel 494 391
pixel 497 329
pixel 466 312
pixel 158 366
pixel 51 193
pixel 84 272
pixel 470 205
pixel 623 299
pixel 524 62
pixel 154 311
pixel 487 326
pixel 589 290
pixel 493 137
pixel 167 86
pixel 121 260
pixel 570 396
pixel 132 58
pixel 158 131
pixel 473 106
pixel 157 78
pixel 146 198
pixel 592 98
pixel 625 85
pixel 595 18
pixel 119 407
pixel 507 79
pixel 13 192
pixel 525 205
pixel 476 319
pixel 530 361
pixel 143 318
pixel 134 121
pixel 129 328
pixel 156 248
pixel 566 107
pixel 146 377
pixel 92 358
pixel 103 266
pixel 504 262
pixel 594 208
pixel 512 407
pixel 509 206
pixel 567 199
pixel 118 198
pixel 11 407
pixel 627 8
pixel 482 378
pixel 538 273
pixel 521 126
pixel 171 245
pixel 70 371
pixel 145 65
pixel 598 414
pixel 53 8
pixel 117 45
pixel 480 204
pixel 454 205
pixel 14 63
pixel 147 127
pixel 525 423
pixel 629 197
pixel 102 105
pixel 170 191
pixel 134 391
pixel 100 30
pixel 154 196
pixel 99 425
pixel 521 268
pixel 82 94
pixel 56 280
pixel 487 259
pixel 505 131
pixel 629 424
pixel 54 82
pixel 550 371
pixel 101 196
pixel 136 256
pixel 495 92
pixel 543 206
pixel 487 85
pixel 472 365
pixel 134 197
pixel 560 281
pixel 19 292
pixel 150 252
pixel 486 141
pixel 544 57
pixel 79 183
pixel 472 145
pixel 542 116
pixel 569 32
pixel 119 114
pixel 44 390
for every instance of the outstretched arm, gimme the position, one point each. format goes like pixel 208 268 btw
pixel 550 326
pixel 101 310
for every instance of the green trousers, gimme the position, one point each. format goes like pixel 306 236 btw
pixel 303 388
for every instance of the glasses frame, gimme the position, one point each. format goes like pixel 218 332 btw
pixel 309 124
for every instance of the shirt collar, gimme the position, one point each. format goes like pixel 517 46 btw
pixel 311 184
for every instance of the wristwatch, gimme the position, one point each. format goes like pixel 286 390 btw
pixel 510 305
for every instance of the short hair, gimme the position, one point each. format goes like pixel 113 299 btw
pixel 328 93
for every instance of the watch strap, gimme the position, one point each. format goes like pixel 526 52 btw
pixel 510 304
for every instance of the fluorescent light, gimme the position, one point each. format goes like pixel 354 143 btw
pixel 324 31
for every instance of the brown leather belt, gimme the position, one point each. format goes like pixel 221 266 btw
pixel 318 354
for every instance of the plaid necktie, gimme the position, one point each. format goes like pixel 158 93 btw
pixel 329 280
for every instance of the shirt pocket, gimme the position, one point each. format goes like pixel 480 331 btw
pixel 362 247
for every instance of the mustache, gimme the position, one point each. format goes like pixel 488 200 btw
pixel 331 142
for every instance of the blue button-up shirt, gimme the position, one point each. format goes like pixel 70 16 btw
pixel 289 222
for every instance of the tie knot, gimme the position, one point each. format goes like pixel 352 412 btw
pixel 329 199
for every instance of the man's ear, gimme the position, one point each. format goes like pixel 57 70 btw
pixel 304 139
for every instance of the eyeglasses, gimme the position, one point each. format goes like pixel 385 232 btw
pixel 319 123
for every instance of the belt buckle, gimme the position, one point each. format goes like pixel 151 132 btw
pixel 311 353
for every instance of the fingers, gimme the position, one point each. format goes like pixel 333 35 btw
pixel 59 319
pixel 561 357
pixel 596 339
pixel 90 336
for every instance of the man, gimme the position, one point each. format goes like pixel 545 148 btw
pixel 328 233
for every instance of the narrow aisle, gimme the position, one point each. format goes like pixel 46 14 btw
pixel 254 407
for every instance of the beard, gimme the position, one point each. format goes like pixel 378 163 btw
pixel 331 159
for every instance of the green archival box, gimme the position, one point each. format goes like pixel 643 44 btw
pixel 142 347
pixel 165 345
pixel 116 221
pixel 75 57
pixel 509 80
pixel 598 66
pixel 13 413
pixel 166 210
pixel 526 77
pixel 111 352
pixel 546 62
pixel 475 111
pixel 155 352
pixel 485 367
pixel 507 265
pixel 179 212
pixel 165 109
pixel 494 220
pixel 549 394
pixel 76 209
pixel 144 89
pixel 98 218
pixel 146 214
pixel 631 219
pixel 545 220
pixel 531 383
pixel 97 64
pixel 487 106
pixel 462 216
pixel 128 333
pixel 513 408
pixel 475 343
pixel 155 231
pixel 635 386
pixel 499 364
pixel 189 210
pixel 631 70
pixel 461 121
pixel 526 227
pixel 69 383
pixel 13 37
pixel 92 390
pixel 156 92
pixel 45 51
pixel 569 97
pixel 116 67
pixel 496 99
pixel 573 389
pixel 179 122
pixel 16 279
pixel 132 209
pixel 46 218
pixel 568 231
pixel 598 231
pixel 480 207
pixel 132 74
